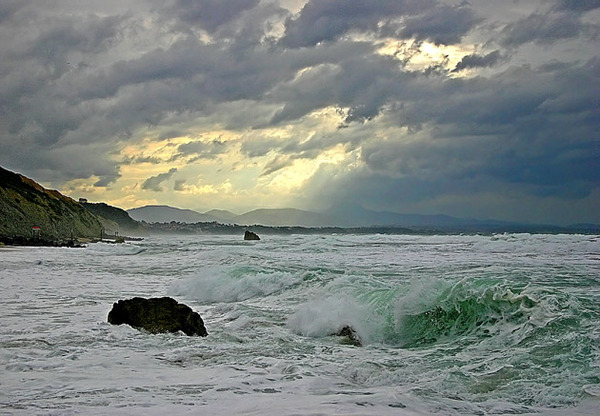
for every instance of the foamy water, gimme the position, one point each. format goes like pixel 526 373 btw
pixel 449 325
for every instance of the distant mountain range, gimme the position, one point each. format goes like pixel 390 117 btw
pixel 268 217
pixel 164 213
pixel 343 216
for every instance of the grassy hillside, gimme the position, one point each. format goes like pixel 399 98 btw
pixel 116 220
pixel 25 204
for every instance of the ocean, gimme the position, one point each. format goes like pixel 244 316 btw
pixel 449 325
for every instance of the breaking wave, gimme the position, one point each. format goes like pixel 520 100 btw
pixel 235 283
pixel 434 311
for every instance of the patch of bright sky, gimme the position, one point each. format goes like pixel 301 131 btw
pixel 419 56
pixel 231 177
pixel 232 174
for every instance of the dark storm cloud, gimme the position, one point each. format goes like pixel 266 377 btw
pixel 530 128
pixel 81 80
pixel 326 20
pixel 361 83
pixel 153 183
pixel 35 113
pixel 442 24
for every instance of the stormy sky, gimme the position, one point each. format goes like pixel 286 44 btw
pixel 477 109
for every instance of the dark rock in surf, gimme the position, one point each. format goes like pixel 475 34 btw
pixel 350 335
pixel 249 235
pixel 157 315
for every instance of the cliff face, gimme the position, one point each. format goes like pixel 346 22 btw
pixel 25 204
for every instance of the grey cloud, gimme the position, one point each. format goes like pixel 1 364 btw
pixel 187 77
pixel 362 187
pixel 143 159
pixel 580 6
pixel 327 20
pixel 299 147
pixel 479 61
pixel 90 36
pixel 471 198
pixel 277 163
pixel 153 183
pixel 208 14
pixel 526 134
pixel 60 164
pixel 363 84
pixel 9 8
pixel 179 185
pixel 542 29
pixel 202 150
pixel 48 107
pixel 37 116
pixel 511 129
pixel 106 180
pixel 260 146
pixel 442 24
pixel 322 21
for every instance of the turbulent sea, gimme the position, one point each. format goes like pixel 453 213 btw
pixel 450 325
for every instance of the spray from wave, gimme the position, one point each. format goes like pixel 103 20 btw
pixel 235 283
pixel 430 311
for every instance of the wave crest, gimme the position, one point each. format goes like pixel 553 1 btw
pixel 234 284
pixel 460 310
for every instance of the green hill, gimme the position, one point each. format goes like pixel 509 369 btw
pixel 25 204
pixel 116 220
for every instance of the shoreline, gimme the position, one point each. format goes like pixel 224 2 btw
pixel 21 241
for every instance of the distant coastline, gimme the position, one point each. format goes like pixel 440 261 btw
pixel 34 216
pixel 218 228
pixel 347 219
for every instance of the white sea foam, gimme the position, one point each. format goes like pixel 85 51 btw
pixel 229 284
pixel 498 325
pixel 327 316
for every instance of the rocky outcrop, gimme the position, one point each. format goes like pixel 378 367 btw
pixel 157 315
pixel 39 242
pixel 29 210
pixel 349 336
pixel 249 235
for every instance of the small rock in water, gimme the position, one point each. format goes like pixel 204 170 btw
pixel 157 315
pixel 249 235
pixel 351 335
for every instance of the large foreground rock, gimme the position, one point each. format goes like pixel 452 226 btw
pixel 157 315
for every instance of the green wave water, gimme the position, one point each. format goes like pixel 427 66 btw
pixel 464 310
